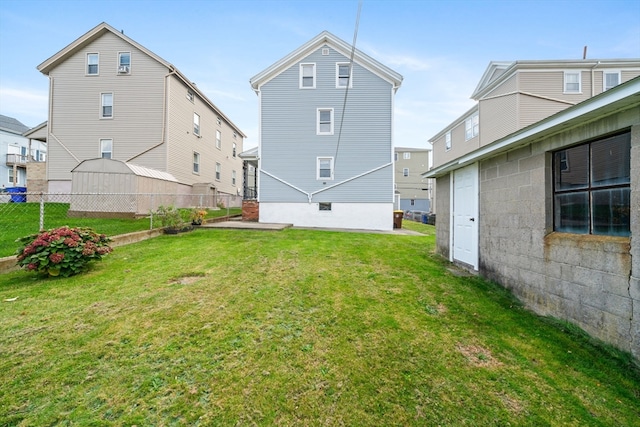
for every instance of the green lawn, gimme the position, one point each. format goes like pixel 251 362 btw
pixel 21 219
pixel 299 327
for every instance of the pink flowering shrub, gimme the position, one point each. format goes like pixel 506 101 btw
pixel 62 251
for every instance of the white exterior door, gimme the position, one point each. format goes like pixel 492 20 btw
pixel 465 215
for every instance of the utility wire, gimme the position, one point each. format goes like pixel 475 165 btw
pixel 346 92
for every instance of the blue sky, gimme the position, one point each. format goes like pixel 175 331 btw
pixel 440 47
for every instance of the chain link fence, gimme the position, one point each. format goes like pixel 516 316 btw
pixel 23 213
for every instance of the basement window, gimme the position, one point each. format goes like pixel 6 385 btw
pixel 324 206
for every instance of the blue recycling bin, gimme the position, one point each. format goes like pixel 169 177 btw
pixel 17 194
pixel 424 218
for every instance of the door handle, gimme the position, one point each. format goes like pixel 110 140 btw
pixel 472 219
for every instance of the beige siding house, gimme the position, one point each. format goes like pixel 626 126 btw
pixel 413 190
pixel 513 95
pixel 112 98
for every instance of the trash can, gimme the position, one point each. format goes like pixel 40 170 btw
pixel 397 219
pixel 17 194
pixel 432 219
pixel 425 218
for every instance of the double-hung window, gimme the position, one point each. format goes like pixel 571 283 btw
pixel 218 171
pixel 592 191
pixel 572 83
pixel 233 152
pixel 218 139
pixel 92 64
pixel 307 76
pixel 406 155
pixel 325 168
pixel 447 141
pixel 196 124
pixel 343 75
pixel 124 62
pixel 106 107
pixel 472 127
pixel 233 178
pixel 325 121
pixel 106 148
pixel 610 79
pixel 196 162
pixel 405 172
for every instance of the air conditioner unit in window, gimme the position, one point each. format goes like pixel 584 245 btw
pixel 123 69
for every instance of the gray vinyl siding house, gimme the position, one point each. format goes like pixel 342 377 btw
pixel 147 115
pixel 552 212
pixel 325 149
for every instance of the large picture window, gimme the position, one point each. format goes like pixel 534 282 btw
pixel 592 191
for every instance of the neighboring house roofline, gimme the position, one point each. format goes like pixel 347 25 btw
pixel 414 150
pixel 97 32
pixel 12 125
pixel 455 123
pixel 35 129
pixel 621 97
pixel 326 38
pixel 488 82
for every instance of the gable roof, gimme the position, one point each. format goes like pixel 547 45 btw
pixel 9 124
pixel 104 28
pixel 328 39
pixel 619 98
pixel 499 71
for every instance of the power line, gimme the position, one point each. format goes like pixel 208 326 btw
pixel 346 92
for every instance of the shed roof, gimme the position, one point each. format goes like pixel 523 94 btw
pixel 119 167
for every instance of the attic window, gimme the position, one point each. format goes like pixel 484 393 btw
pixel 343 75
pixel 190 95
pixel 92 64
pixel 124 62
pixel 307 76
pixel 325 51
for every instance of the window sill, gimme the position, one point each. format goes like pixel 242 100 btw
pixel 592 242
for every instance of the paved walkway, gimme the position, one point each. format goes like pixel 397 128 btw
pixel 241 225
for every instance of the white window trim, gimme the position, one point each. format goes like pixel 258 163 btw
pixel 190 96
pixel 405 172
pixel 320 178
pixel 102 151
pixel 564 82
pixel 314 75
pixel 406 155
pixel 86 65
pixel 350 85
pixel 10 177
pixel 218 139
pixel 471 129
pixel 197 131
pixel 318 121
pixel 447 141
pixel 129 66
pixel 233 178
pixel 196 163
pixel 218 172
pixel 102 105
pixel 604 78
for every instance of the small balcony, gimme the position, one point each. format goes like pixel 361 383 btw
pixel 16 160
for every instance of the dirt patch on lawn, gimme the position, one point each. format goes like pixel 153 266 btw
pixel 478 355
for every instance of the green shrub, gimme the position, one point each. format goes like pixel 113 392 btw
pixel 62 251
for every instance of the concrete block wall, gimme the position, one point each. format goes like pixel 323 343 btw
pixel 443 210
pixel 592 281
